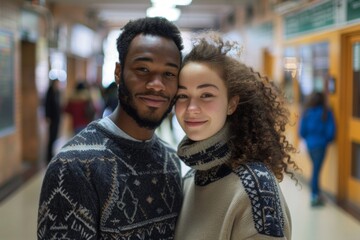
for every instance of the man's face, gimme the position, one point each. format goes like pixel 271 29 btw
pixel 149 79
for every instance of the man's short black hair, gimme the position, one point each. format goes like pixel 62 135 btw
pixel 156 26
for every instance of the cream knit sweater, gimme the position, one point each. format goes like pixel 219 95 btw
pixel 224 204
pixel 223 210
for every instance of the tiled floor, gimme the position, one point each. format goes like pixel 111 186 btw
pixel 18 214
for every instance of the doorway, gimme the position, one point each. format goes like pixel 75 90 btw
pixel 351 120
pixel 29 104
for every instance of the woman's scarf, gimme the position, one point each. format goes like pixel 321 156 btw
pixel 206 154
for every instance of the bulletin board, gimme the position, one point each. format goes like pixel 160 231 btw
pixel 7 122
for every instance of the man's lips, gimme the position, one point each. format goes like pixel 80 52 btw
pixel 153 100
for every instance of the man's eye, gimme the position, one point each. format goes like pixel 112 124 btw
pixel 142 69
pixel 169 74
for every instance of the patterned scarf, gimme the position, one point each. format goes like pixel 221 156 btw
pixel 206 154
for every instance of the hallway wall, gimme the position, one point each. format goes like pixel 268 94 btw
pixel 10 144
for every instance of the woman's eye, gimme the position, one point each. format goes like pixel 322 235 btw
pixel 207 95
pixel 181 96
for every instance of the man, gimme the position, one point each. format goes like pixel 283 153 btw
pixel 53 115
pixel 116 179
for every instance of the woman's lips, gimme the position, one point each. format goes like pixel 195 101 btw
pixel 194 123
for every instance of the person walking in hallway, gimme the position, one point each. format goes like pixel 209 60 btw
pixel 80 107
pixel 317 128
pixel 53 115
pixel 235 145
pixel 116 179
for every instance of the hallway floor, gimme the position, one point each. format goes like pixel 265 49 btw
pixel 18 215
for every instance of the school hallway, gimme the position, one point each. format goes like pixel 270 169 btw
pixel 18 214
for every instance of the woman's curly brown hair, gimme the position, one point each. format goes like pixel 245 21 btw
pixel 260 119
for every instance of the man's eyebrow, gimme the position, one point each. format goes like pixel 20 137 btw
pixel 147 59
pixel 201 86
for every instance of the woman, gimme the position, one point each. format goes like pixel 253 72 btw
pixel 317 127
pixel 235 144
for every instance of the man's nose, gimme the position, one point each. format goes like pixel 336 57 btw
pixel 156 83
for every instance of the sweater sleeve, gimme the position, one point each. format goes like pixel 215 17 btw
pixel 261 212
pixel 243 226
pixel 68 205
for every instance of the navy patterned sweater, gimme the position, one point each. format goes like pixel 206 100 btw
pixel 102 186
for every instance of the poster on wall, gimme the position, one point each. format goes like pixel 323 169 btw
pixel 7 123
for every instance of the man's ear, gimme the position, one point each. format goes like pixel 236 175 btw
pixel 117 72
pixel 233 103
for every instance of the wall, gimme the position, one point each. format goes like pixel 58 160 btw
pixel 10 144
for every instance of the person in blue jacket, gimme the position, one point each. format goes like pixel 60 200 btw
pixel 317 128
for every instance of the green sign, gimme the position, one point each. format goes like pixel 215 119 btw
pixel 353 9
pixel 314 18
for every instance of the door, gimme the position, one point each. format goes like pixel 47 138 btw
pixel 352 100
pixel 29 104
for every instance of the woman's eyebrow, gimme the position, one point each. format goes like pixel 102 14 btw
pixel 207 85
pixel 200 86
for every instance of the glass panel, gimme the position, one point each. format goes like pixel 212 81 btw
pixel 290 68
pixel 356 79
pixel 355 162
pixel 314 68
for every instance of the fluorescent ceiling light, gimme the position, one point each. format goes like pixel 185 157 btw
pixel 170 13
pixel 171 2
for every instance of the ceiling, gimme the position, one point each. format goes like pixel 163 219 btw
pixel 200 14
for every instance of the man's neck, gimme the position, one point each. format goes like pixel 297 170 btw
pixel 129 125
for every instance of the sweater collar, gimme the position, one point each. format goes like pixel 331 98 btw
pixel 206 154
pixel 136 144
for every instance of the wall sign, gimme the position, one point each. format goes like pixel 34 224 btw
pixel 314 18
pixel 353 10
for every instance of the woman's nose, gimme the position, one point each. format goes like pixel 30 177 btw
pixel 193 106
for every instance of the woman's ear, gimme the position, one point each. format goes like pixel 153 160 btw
pixel 233 103
pixel 117 73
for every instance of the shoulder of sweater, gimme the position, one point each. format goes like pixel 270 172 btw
pixel 262 189
pixel 256 172
pixel 257 176
pixel 96 139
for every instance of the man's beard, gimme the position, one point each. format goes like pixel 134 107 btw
pixel 127 103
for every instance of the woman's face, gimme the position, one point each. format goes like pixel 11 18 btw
pixel 202 106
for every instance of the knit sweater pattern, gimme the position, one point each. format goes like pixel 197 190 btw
pixel 221 203
pixel 102 186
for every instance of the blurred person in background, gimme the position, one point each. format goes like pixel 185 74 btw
pixel 116 179
pixel 317 128
pixel 80 107
pixel 110 99
pixel 53 115
pixel 235 145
